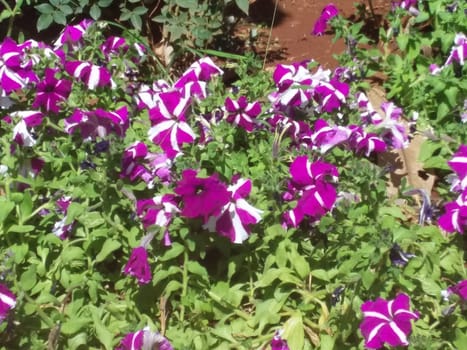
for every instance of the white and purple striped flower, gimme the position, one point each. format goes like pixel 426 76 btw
pixel 93 76
pixel 387 322
pixel 237 215
pixel 459 50
pixel 144 339
pixel 242 113
pixel 7 301
pixel 23 132
pixel 72 35
pixel 61 228
pixel 98 123
pixel 169 127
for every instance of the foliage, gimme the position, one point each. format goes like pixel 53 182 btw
pixel 72 181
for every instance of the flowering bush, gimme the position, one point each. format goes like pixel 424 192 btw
pixel 144 210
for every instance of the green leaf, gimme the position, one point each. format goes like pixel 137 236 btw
pixel 294 332
pixel 104 3
pixel 175 250
pixel 140 10
pixel 402 41
pixel 70 253
pixel 74 325
pixel 45 9
pixel 109 246
pixel 26 205
pixel 59 17
pixel 5 208
pixel 243 5
pixel 74 210
pixel 136 21
pixel 21 228
pixel 443 110
pixel 326 342
pixel 103 334
pixel 188 4
pixel 5 14
pixel 95 12
pixel 67 10
pixel 28 278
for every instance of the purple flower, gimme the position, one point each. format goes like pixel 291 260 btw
pixel 366 143
pixel 148 96
pixel 277 343
pixel 455 215
pixel 145 339
pixel 7 301
pixel 328 12
pixel 460 289
pixel 458 164
pixel 92 75
pixel 242 113
pixel 98 123
pixel 387 322
pixel 138 265
pixel 312 184
pixel 201 197
pixel 331 95
pixel 114 45
pixel 51 91
pixel 61 228
pixel 23 132
pixel 170 129
pixel 326 137
pixel 72 35
pixel 236 215
pixel 398 257
pixel 459 50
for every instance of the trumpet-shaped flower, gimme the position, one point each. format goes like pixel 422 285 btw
pixel 201 197
pixel 455 215
pixel 92 75
pixel 144 339
pixel 61 229
pixel 459 50
pixel 328 12
pixel 170 129
pixel 98 123
pixel 236 215
pixel 458 164
pixel 7 301
pixel 277 343
pixel 51 91
pixel 387 322
pixel 138 265
pixel 242 113
pixel 73 34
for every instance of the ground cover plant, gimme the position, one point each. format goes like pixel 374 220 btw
pixel 147 208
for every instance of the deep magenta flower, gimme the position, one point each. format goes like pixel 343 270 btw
pixel 51 91
pixel 326 137
pixel 331 95
pixel 455 215
pixel 72 35
pixel 114 45
pixel 242 113
pixel 460 289
pixel 7 301
pixel 92 75
pixel 277 343
pixel 157 211
pixel 201 197
pixel 365 143
pixel 387 322
pixel 145 339
pixel 170 129
pixel 459 50
pixel 138 265
pixel 98 123
pixel 23 132
pixel 328 12
pixel 61 229
pixel 237 215
pixel 458 164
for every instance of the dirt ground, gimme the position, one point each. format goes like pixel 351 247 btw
pixel 291 38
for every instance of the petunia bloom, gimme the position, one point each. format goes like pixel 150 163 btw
pixel 277 343
pixel 455 215
pixel 7 301
pixel 61 228
pixel 51 91
pixel 201 197
pixel 72 34
pixel 460 289
pixel 93 76
pixel 242 113
pixel 387 322
pixel 236 215
pixel 138 265
pixel 145 339
pixel 328 12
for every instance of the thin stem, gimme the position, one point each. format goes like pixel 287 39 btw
pixel 184 283
pixel 270 33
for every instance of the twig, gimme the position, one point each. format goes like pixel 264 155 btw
pixel 270 33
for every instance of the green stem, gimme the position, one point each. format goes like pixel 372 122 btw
pixel 184 283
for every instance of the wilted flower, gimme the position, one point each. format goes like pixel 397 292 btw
pixel 328 12
pixel 387 322
pixel 138 265
pixel 7 301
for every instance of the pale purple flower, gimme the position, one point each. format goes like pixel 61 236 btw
pixel 237 215
pixel 242 113
pixel 328 12
pixel 51 91
pixel 387 321
pixel 391 129
pixel 435 69
pixel 7 301
pixel 170 129
pixel 93 76
pixel 98 123
pixel 326 137
pixel 145 339
pixel 138 265
pixel 201 197
pixel 72 35
pixel 277 343
pixel 61 228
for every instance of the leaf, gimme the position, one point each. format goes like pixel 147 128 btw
pixel 70 253
pixel 443 110
pixel 5 14
pixel 28 278
pixel 45 9
pixel 243 5
pixel 136 21
pixel 26 205
pixel 104 3
pixel 74 325
pixel 188 4
pixel 327 342
pixel 59 17
pixel 74 210
pixel 103 334
pixel 21 228
pixel 175 250
pixel 110 245
pixel 5 208
pixel 140 10
pixel 95 12
pixel 294 332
